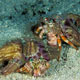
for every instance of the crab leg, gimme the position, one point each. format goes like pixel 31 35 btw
pixel 34 69
pixel 26 68
pixel 59 42
pixel 38 29
pixel 23 69
pixel 67 41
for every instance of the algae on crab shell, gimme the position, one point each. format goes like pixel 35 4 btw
pixel 16 19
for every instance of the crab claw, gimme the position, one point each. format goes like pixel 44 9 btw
pixel 11 67
pixel 72 35
pixel 36 68
pixel 41 69
pixel 36 72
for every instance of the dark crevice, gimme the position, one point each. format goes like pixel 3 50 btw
pixel 24 12
pixel 10 17
pixel 5 63
pixel 41 12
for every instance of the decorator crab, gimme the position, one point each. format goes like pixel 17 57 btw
pixel 57 28
pixel 29 57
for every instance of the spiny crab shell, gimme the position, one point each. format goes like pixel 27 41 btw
pixel 10 51
pixel 29 57
pixel 37 57
pixel 34 50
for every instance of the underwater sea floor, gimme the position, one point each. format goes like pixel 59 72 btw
pixel 16 19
